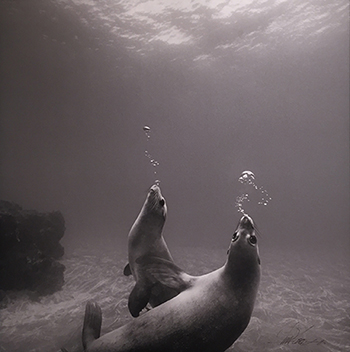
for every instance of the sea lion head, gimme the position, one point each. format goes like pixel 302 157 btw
pixel 155 203
pixel 243 254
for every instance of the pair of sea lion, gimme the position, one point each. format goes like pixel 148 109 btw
pixel 191 313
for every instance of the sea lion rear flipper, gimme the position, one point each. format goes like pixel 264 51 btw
pixel 165 272
pixel 127 270
pixel 92 323
pixel 138 298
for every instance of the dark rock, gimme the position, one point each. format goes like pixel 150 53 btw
pixel 29 249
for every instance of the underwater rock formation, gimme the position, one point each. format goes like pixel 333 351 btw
pixel 29 249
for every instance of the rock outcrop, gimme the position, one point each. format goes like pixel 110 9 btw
pixel 30 248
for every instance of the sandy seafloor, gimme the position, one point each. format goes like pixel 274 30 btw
pixel 303 302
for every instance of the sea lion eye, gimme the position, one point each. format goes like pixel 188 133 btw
pixel 252 240
pixel 235 237
pixel 162 202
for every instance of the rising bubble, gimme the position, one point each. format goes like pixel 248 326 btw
pixel 147 131
pixel 148 155
pixel 248 178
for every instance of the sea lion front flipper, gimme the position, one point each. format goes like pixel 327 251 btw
pixel 127 270
pixel 165 272
pixel 92 323
pixel 139 297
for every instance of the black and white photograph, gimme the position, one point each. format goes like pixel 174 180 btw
pixel 174 176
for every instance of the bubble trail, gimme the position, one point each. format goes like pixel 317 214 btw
pixel 248 178
pixel 147 130
pixel 148 155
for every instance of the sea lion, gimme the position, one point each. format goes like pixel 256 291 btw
pixel 208 315
pixel 145 240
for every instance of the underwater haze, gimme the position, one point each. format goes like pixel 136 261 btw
pixel 230 106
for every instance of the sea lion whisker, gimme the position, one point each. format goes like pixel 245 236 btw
pixel 258 232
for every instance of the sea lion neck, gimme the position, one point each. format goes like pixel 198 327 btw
pixel 154 222
pixel 154 206
pixel 242 268
pixel 243 263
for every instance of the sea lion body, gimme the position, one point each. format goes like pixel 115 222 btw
pixel 145 239
pixel 209 314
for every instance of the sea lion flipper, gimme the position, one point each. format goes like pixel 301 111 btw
pixel 165 272
pixel 127 270
pixel 138 298
pixel 92 323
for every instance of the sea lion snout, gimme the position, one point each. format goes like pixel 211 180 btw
pixel 246 222
pixel 155 193
pixel 155 200
pixel 155 188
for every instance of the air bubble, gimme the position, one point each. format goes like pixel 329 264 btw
pixel 147 131
pixel 248 178
pixel 247 175
pixel 154 162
